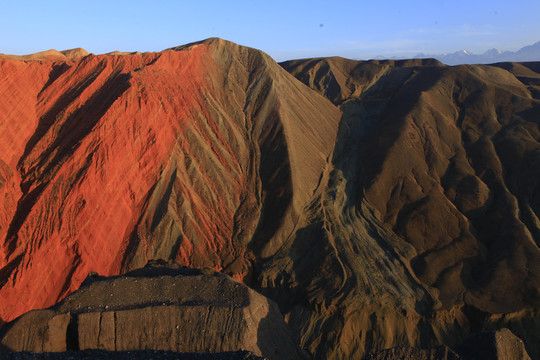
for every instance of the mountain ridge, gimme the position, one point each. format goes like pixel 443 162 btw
pixel 526 53
pixel 529 53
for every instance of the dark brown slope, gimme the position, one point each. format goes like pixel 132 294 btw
pixel 447 159
pixel 527 73
pixel 495 345
pixel 204 154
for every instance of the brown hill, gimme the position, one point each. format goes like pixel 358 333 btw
pixel 339 79
pixel 117 53
pixel 446 158
pixel 52 54
pixel 72 54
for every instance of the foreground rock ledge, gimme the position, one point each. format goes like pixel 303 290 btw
pixel 129 355
pixel 157 308
pixel 501 344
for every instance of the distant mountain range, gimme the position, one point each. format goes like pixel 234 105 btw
pixel 527 53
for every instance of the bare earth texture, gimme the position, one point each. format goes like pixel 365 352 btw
pixel 386 203
pixel 446 158
pixel 205 155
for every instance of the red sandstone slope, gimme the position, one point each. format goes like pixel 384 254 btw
pixel 197 154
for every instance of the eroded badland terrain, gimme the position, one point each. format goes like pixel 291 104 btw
pixel 357 205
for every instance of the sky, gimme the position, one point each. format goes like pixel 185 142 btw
pixel 283 29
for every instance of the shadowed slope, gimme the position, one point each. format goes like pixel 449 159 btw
pixel 446 158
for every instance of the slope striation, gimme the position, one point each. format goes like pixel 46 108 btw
pixel 446 159
pixel 203 154
pixel 386 203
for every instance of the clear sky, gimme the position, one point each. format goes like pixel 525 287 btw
pixel 284 29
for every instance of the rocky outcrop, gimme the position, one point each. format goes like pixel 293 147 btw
pixel 157 308
pixel 129 355
pixel 497 345
pixel 407 353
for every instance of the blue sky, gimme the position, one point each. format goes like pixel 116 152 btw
pixel 284 29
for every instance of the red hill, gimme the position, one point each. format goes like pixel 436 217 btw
pixel 109 161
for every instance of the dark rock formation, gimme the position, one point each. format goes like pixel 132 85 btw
pixel 497 345
pixel 157 308
pixel 407 353
pixel 501 344
pixel 128 355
